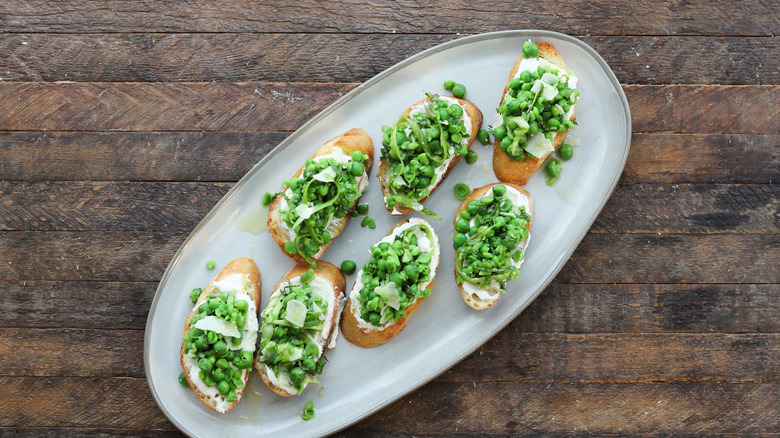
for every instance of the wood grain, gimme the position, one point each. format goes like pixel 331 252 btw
pixel 541 409
pixel 467 408
pixel 113 206
pixel 600 258
pixel 753 17
pixel 86 106
pixel 601 358
pixel 316 57
pixel 561 308
pixel 226 156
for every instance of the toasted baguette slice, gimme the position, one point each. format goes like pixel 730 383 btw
pixel 362 333
pixel 519 171
pixel 352 140
pixel 469 110
pixel 328 282
pixel 475 297
pixel 249 275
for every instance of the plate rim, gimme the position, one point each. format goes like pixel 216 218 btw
pixel 360 88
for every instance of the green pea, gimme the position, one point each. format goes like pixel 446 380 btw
pixel 471 157
pixel 183 380
pixel 290 248
pixel 499 132
pixel 356 168
pixel 483 136
pixel 210 264
pixel 223 387
pixel 242 305
pixel 530 50
pixel 499 190
pixel 455 110
pixel 566 151
pixel 307 276
pixel 205 365
pixel 231 396
pixel 348 267
pixel 459 90
pixel 374 318
pixel 357 156
pixel 554 168
pixel 459 240
pixel 515 83
pixel 462 225
pixel 195 294
pixel 366 220
pixel 487 200
pixel 362 208
pixel 526 77
pixel 297 375
pixel 268 198
pixel 448 85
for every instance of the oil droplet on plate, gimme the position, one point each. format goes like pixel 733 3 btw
pixel 255 220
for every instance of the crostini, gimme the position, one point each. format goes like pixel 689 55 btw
pixel 421 149
pixel 392 284
pixel 492 230
pixel 315 205
pixel 220 334
pixel 536 111
pixel 299 324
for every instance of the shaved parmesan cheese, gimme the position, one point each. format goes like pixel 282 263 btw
pixel 498 121
pixel 573 141
pixel 550 78
pixel 390 293
pixel 295 354
pixel 304 211
pixel 399 181
pixel 326 175
pixel 217 325
pixel 572 81
pixel 538 145
pixel 549 91
pixel 536 87
pixel 338 155
pixel 296 313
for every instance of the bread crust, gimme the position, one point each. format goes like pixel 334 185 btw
pixel 384 168
pixel 356 335
pixel 353 140
pixel 471 300
pixel 240 265
pixel 519 171
pixel 333 275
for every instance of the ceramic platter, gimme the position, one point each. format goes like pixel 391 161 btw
pixel 357 381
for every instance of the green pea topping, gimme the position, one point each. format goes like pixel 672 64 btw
pixel 326 189
pixel 195 294
pixel 308 411
pixel 553 170
pixel 530 50
pixel 486 240
pixel 183 380
pixel 448 85
pixel 471 157
pixel 348 267
pixel 307 276
pixel 462 191
pixel 459 91
pixel 210 264
pixel 362 208
pixel 418 147
pixel 483 136
pixel 268 198
pixel 566 151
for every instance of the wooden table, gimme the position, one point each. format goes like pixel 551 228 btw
pixel 123 122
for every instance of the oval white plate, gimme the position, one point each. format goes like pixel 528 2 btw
pixel 444 330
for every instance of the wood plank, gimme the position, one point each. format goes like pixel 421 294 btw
pixel 307 57
pixel 509 357
pixel 621 358
pixel 107 106
pixel 227 156
pixel 282 107
pixel 667 158
pixel 440 407
pixel 753 17
pixel 691 208
pixel 72 352
pixel 150 206
pixel 113 402
pixel 566 409
pixel 94 432
pixel 56 304
pixel 131 156
pixel 561 308
pixel 674 258
pixel 650 308
pixel 600 258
